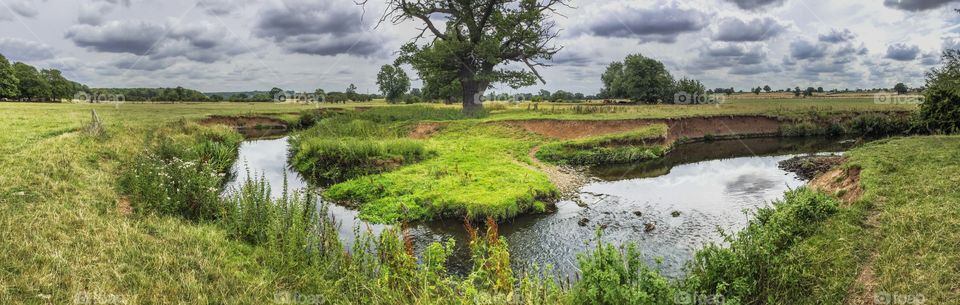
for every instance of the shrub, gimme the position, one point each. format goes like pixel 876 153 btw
pixel 940 111
pixel 612 276
pixel 747 270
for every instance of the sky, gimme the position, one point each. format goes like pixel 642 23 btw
pixel 241 45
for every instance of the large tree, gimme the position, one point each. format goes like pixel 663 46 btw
pixel 9 84
pixel 393 82
pixel 478 39
pixel 638 78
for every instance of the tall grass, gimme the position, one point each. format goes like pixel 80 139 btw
pixel 333 160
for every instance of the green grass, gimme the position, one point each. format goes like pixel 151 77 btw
pixel 479 170
pixel 632 146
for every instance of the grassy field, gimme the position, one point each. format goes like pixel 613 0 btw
pixel 62 235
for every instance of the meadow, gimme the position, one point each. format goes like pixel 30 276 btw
pixel 72 223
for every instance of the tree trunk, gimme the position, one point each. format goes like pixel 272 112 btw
pixel 472 94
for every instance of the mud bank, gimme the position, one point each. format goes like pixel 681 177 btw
pixel 678 129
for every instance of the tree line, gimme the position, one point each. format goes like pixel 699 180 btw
pixel 23 82
pixel 645 80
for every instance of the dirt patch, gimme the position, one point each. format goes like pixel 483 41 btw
pixel 123 207
pixel 567 180
pixel 682 128
pixel 426 130
pixel 844 183
pixel 811 166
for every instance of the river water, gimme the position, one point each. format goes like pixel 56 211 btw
pixel 669 207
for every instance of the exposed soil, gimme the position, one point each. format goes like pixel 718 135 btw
pixel 567 180
pixel 123 207
pixel 844 183
pixel 426 130
pixel 682 128
pixel 811 166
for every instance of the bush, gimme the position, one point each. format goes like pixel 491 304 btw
pixel 748 269
pixel 611 276
pixel 940 111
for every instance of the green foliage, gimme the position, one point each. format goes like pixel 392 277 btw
pixel 940 111
pixel 901 88
pixel 393 82
pixel 754 264
pixel 32 85
pixel 178 94
pixel 9 83
pixel 181 171
pixel 638 78
pixel 479 37
pixel 611 276
pixel 332 160
pixel 689 86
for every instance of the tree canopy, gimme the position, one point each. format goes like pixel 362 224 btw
pixel 9 84
pixel 478 38
pixel 393 82
pixel 644 79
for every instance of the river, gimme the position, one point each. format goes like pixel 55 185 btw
pixel 668 207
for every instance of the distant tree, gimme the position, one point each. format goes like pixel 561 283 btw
pixel 216 98
pixel 638 78
pixel 276 92
pixel 416 92
pixel 767 89
pixel 545 94
pixel 60 87
pixel 820 89
pixel 32 85
pixel 688 86
pixel 393 82
pixel 796 91
pixel 757 90
pixel 352 93
pixel 9 84
pixel 809 91
pixel 561 96
pixel 579 96
pixel 901 88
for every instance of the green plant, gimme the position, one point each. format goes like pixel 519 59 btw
pixel 612 276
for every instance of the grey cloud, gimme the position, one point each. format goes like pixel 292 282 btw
pixel 802 49
pixel 837 36
pixel 318 28
pixel 221 7
pixel 754 69
pixel 902 52
pixel 202 42
pixel 916 5
pixel 135 37
pixel 754 5
pixel 574 58
pixel 736 30
pixel 930 58
pixel 723 55
pixel 23 50
pixel 25 8
pixel 661 24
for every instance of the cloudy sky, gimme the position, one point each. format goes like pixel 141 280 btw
pixel 239 45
